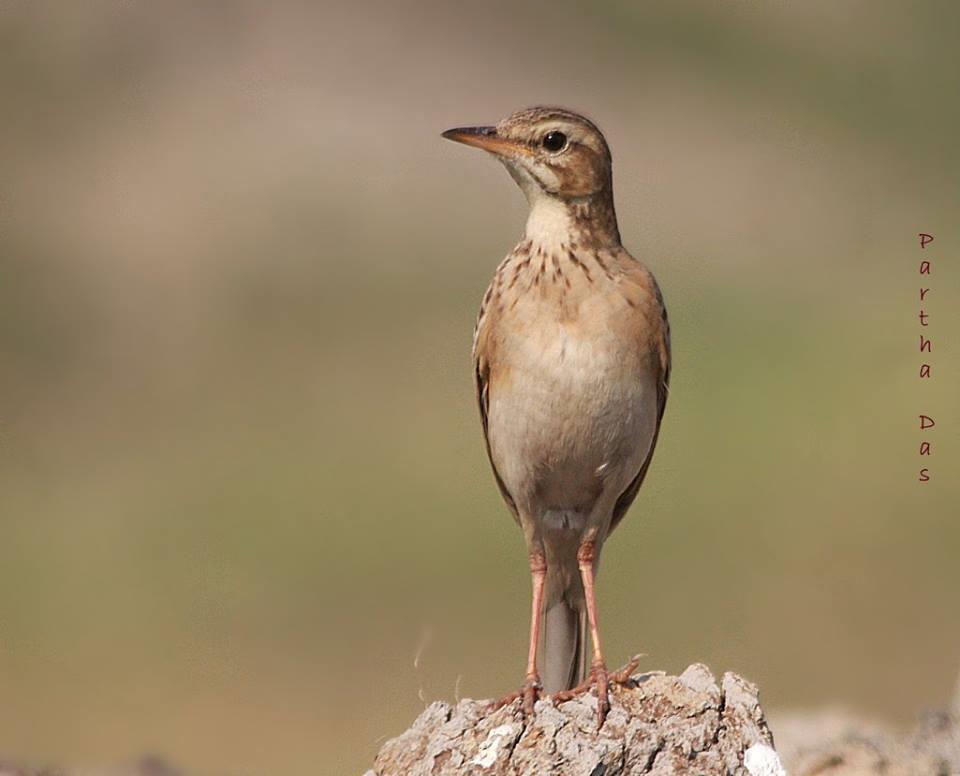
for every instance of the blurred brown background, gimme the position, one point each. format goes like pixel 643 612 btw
pixel 242 481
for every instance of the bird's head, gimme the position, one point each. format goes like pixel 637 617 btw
pixel 549 152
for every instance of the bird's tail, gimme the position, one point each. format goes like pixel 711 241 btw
pixel 563 654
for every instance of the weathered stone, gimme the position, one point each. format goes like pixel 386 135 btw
pixel 659 725
pixel 835 743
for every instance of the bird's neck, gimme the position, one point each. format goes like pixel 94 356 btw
pixel 556 223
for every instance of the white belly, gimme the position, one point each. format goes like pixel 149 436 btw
pixel 571 417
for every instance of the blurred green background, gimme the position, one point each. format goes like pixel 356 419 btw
pixel 242 480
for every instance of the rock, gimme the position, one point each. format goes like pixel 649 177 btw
pixel 837 743
pixel 148 765
pixel 658 725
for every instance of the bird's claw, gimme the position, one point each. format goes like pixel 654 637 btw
pixel 530 693
pixel 601 679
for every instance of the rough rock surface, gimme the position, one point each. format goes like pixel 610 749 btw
pixel 149 765
pixel 834 743
pixel 659 725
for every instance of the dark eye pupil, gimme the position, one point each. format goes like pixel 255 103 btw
pixel 554 141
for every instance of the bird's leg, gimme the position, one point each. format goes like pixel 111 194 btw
pixel 532 687
pixel 598 677
pixel 598 669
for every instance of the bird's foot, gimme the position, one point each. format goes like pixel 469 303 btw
pixel 530 693
pixel 601 679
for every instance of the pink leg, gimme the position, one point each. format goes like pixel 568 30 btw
pixel 599 678
pixel 538 573
pixel 531 686
pixel 598 668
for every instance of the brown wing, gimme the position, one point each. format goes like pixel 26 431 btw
pixel 484 348
pixel 482 376
pixel 663 345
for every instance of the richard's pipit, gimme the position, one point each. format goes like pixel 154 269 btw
pixel 572 357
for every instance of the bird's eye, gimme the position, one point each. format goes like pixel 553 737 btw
pixel 554 141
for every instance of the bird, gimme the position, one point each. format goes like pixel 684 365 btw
pixel 571 355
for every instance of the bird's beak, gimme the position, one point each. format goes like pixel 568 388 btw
pixel 487 139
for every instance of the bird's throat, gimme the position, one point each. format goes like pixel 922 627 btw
pixel 554 222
